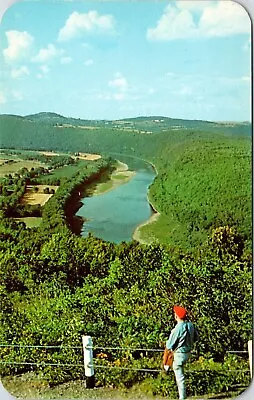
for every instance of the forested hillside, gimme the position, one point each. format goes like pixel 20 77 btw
pixel 139 136
pixel 203 167
pixel 56 286
pixel 207 184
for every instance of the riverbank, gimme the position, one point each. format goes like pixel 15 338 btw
pixel 134 179
pixel 121 175
pixel 137 235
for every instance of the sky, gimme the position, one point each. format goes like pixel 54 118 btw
pixel 117 59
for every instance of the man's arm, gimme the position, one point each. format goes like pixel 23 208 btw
pixel 173 339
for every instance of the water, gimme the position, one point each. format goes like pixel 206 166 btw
pixel 114 215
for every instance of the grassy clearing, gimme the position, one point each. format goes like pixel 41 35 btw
pixel 6 157
pixel 121 176
pixel 165 230
pixel 159 228
pixel 88 156
pixel 145 233
pixel 103 187
pixel 69 170
pixel 16 165
pixel 31 197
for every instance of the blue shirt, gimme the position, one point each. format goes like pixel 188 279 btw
pixel 182 337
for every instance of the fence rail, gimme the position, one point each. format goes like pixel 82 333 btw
pixel 80 347
pixel 100 348
pixel 89 363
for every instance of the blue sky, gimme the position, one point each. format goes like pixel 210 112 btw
pixel 117 59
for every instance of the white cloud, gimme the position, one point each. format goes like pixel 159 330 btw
pixel 119 82
pixel 44 71
pixel 195 5
pixel 19 72
pixel 174 24
pixel 66 60
pixel 19 45
pixel 228 18
pixel 91 22
pixel 88 62
pixel 48 53
pixel 200 19
pixel 118 96
pixel 120 90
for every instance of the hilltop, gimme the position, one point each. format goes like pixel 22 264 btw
pixel 153 122
pixel 133 136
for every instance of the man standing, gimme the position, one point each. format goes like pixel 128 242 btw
pixel 181 341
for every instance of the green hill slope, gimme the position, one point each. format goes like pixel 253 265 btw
pixel 204 168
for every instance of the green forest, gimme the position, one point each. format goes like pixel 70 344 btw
pixel 57 286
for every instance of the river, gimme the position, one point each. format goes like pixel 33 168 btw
pixel 115 214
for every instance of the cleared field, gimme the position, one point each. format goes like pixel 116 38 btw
pixel 68 170
pixel 89 156
pixel 15 166
pixel 31 197
pixel 82 156
pixel 76 126
pixel 3 161
pixel 49 153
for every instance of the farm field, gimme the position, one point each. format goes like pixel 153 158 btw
pixel 82 156
pixel 67 171
pixel 16 165
pixel 89 156
pixel 31 197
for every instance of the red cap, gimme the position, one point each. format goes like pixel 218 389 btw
pixel 180 311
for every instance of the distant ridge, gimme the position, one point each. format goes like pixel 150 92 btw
pixel 160 118
pixel 52 131
pixel 139 122
pixel 43 115
pixel 46 115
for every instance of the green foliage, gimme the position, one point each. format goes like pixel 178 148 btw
pixel 208 184
pixel 121 295
pixel 203 376
pixel 56 286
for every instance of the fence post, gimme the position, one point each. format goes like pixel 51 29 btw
pixel 88 361
pixel 250 355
